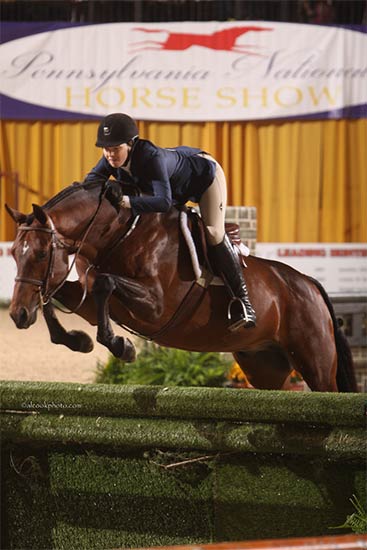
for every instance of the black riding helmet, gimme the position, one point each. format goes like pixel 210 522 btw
pixel 115 129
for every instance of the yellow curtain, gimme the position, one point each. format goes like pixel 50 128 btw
pixel 307 179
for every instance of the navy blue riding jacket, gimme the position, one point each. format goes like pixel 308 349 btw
pixel 164 176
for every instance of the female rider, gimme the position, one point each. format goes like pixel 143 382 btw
pixel 167 177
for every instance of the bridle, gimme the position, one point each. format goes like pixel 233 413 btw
pixel 43 285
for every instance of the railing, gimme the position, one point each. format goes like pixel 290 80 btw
pixel 11 190
pixel 343 542
pixel 13 177
pixel 109 466
pixel 98 11
pixel 353 312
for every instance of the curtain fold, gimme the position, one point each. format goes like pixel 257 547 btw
pixel 307 179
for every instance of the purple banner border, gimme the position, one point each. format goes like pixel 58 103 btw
pixel 12 109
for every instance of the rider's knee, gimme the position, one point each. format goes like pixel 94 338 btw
pixel 214 235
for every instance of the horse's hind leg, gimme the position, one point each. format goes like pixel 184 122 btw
pixel 313 350
pixel 265 369
pixel 121 347
pixel 317 363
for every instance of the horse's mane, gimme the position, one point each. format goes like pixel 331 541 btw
pixel 128 188
pixel 88 186
pixel 65 193
pixel 70 190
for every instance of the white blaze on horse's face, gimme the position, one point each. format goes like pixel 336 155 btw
pixel 25 247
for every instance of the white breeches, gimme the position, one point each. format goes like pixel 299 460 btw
pixel 213 205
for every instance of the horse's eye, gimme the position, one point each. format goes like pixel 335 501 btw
pixel 41 255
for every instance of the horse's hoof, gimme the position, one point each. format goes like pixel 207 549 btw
pixel 81 341
pixel 130 351
pixel 123 349
pixel 117 346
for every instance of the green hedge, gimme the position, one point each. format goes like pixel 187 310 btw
pixel 101 467
pixel 328 409
pixel 156 365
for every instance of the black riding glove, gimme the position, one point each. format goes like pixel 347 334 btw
pixel 114 194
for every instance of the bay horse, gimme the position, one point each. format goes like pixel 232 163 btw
pixel 139 273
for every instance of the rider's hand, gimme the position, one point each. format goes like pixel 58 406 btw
pixel 114 194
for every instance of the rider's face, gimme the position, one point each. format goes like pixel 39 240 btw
pixel 116 156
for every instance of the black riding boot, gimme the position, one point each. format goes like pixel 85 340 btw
pixel 240 310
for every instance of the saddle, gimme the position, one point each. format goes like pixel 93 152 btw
pixel 193 230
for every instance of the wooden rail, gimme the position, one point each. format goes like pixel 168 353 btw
pixel 343 542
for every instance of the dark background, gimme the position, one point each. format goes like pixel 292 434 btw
pixel 349 12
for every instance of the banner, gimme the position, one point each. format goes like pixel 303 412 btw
pixel 340 267
pixel 187 71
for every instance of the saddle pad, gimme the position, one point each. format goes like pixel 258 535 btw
pixel 202 275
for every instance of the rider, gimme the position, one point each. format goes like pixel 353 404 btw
pixel 167 177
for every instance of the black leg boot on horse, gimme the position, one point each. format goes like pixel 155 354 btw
pixel 240 311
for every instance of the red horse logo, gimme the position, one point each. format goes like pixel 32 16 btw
pixel 224 40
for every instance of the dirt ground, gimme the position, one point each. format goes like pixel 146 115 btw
pixel 30 355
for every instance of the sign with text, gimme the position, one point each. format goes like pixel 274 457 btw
pixel 238 70
pixel 340 268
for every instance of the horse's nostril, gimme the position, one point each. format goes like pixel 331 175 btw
pixel 23 316
pixel 20 317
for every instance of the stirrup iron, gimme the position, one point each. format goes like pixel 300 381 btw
pixel 243 321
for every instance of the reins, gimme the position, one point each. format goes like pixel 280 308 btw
pixel 91 266
pixel 118 241
pixel 45 295
pixel 85 291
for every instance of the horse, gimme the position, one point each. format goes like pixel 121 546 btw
pixel 223 40
pixel 138 271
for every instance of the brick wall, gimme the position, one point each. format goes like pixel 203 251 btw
pixel 246 218
pixel 360 367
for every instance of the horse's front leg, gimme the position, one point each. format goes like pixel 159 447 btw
pixel 121 347
pixel 76 340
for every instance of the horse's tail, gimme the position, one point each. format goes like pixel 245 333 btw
pixel 345 376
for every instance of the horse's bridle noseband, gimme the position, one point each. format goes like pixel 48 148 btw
pixel 43 285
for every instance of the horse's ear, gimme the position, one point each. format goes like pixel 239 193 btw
pixel 18 217
pixel 39 214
